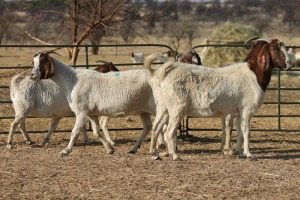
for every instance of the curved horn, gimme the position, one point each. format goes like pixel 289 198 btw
pixel 51 51
pixel 105 62
pixel 251 40
pixel 268 40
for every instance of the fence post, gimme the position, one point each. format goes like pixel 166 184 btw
pixel 278 99
pixel 87 56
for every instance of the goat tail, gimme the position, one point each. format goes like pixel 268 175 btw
pixel 15 81
pixel 164 68
pixel 148 62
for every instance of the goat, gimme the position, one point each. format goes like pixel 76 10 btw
pixel 136 58
pixel 42 99
pixel 184 89
pixel 295 56
pixel 164 57
pixel 191 57
pixel 106 67
pixel 37 99
pixel 227 122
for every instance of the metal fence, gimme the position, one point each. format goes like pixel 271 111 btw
pixel 185 127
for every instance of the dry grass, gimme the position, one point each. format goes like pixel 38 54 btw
pixel 88 173
pixel 228 33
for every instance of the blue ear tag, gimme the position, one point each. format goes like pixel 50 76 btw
pixel 117 73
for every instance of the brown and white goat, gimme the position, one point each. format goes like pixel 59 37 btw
pixel 42 99
pixel 191 57
pixel 183 89
pixel 106 67
pixel 136 58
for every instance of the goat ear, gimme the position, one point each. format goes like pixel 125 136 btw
pixel 255 50
pixel 49 68
pixel 264 58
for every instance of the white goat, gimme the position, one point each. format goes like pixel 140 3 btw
pixel 93 94
pixel 295 56
pixel 183 89
pixel 37 99
pixel 136 57
pixel 164 57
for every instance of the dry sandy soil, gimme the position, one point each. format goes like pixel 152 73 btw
pixel 38 172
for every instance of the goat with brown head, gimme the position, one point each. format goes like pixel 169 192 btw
pixel 45 64
pixel 106 67
pixel 263 56
pixel 191 57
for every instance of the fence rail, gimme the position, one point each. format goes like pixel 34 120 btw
pixel 184 128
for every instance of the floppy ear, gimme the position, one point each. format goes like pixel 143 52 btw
pixel 255 50
pixel 278 56
pixel 264 67
pixel 49 67
pixel 264 58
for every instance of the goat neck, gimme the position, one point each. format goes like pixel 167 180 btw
pixel 263 57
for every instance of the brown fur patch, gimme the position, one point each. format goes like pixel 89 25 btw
pixel 46 66
pixel 262 58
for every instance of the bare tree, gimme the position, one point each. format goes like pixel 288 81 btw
pixel 177 34
pixel 190 29
pixel 125 31
pixel 4 25
pixel 291 14
pixel 86 15
pixel 95 37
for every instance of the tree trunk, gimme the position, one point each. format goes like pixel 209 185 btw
pixel 74 55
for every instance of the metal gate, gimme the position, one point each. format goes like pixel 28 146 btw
pixel 286 96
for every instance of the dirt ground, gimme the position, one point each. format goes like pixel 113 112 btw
pixel 38 172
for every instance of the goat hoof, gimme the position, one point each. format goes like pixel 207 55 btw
pixel 131 151
pixel 176 158
pixel 151 152
pixel 112 144
pixel 242 156
pixel 64 152
pixel 156 157
pixel 46 142
pixel 29 142
pixel 9 146
pixel 236 153
pixel 111 152
pixel 228 152
pixel 252 158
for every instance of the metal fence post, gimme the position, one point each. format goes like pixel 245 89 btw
pixel 278 99
pixel 87 56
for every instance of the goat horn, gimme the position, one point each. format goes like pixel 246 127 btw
pixel 51 51
pixel 251 40
pixel 263 39
pixel 102 61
